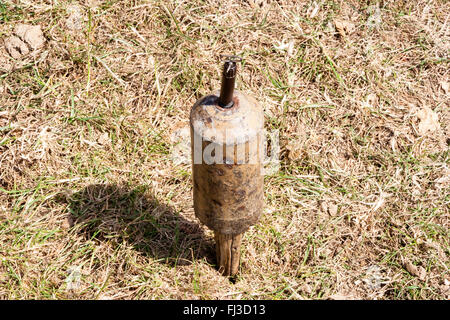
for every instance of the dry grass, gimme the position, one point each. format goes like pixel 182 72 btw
pixel 92 205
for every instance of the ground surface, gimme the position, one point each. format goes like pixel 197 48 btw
pixel 94 205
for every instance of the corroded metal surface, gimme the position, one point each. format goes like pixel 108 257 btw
pixel 228 196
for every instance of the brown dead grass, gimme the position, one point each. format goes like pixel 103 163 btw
pixel 358 210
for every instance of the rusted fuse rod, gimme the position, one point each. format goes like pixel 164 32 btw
pixel 228 81
pixel 226 146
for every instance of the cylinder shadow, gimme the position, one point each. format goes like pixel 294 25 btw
pixel 109 211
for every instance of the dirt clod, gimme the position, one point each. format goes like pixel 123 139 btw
pixel 344 27
pixel 417 271
pixel 16 47
pixel 27 38
pixel 32 35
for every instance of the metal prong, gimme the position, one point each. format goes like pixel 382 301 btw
pixel 228 80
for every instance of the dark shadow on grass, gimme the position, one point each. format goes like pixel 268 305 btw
pixel 108 212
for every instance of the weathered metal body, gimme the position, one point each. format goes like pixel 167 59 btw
pixel 226 146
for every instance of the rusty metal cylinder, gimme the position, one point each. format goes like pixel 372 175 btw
pixel 227 153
